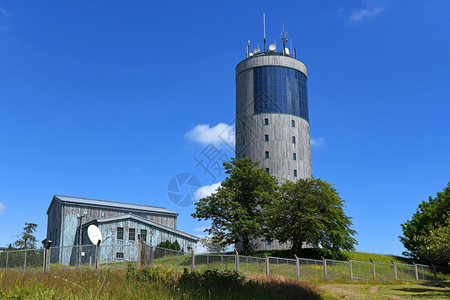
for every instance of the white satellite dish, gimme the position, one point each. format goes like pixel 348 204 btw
pixel 286 50
pixel 256 50
pixel 94 234
pixel 250 54
pixel 272 47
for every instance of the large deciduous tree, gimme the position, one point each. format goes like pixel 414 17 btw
pixel 236 208
pixel 310 211
pixel 426 235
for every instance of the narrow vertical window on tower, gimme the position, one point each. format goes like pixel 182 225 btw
pixel 243 125
pixel 267 170
pixel 294 156
pixel 293 123
pixel 295 173
pixel 293 140
pixel 267 154
pixel 266 121
pixel 266 138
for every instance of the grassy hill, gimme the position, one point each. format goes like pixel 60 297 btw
pixel 316 254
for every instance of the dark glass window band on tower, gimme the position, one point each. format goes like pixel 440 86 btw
pixel 280 90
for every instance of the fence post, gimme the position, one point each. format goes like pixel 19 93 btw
pixel 139 258
pixel 297 263
pixel 97 255
pixel 237 260
pixel 267 265
pixel 47 257
pixel 25 261
pixel 416 272
pixel 373 270
pixel 325 273
pixel 395 270
pixel 152 254
pixel 350 266
pixel 193 260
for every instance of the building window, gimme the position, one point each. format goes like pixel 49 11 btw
pixel 266 121
pixel 273 84
pixel 132 234
pixel 243 125
pixel 294 156
pixel 120 233
pixel 266 138
pixel 295 173
pixel 243 155
pixel 293 123
pixel 267 154
pixel 267 170
pixel 243 141
pixel 119 255
pixel 293 140
pixel 144 234
pixel 269 242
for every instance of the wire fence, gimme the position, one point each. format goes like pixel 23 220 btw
pixel 140 254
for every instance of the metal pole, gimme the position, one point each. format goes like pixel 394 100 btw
pixel 416 272
pixel 267 265
pixel 350 266
pixel 297 264
pixel 97 255
pixel 373 270
pixel 236 260
pixel 25 262
pixel 325 275
pixel 395 270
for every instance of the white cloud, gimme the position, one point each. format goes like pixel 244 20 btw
pixel 2 208
pixel 206 191
pixel 204 134
pixel 316 143
pixel 364 13
pixel 201 229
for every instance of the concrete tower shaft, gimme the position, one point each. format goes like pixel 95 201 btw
pixel 272 121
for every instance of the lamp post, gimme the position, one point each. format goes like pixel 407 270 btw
pixel 80 218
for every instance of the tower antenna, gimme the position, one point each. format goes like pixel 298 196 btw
pixel 284 39
pixel 248 49
pixel 264 27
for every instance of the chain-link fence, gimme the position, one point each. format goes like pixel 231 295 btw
pixel 141 254
pixel 26 260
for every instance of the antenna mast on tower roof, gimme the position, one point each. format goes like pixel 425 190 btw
pixel 264 27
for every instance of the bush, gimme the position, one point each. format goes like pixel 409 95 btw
pixel 170 245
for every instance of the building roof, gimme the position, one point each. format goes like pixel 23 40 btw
pixel 110 204
pixel 143 220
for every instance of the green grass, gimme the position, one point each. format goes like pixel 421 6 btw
pixel 149 283
pixel 382 290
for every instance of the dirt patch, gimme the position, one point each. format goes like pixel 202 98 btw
pixel 374 290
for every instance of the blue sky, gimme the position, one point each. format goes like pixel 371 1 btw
pixel 103 99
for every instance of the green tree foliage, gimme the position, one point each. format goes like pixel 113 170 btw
pixel 235 209
pixel 310 211
pixel 428 225
pixel 435 245
pixel 170 245
pixel 27 240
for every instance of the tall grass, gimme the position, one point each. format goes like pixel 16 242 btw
pixel 149 283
